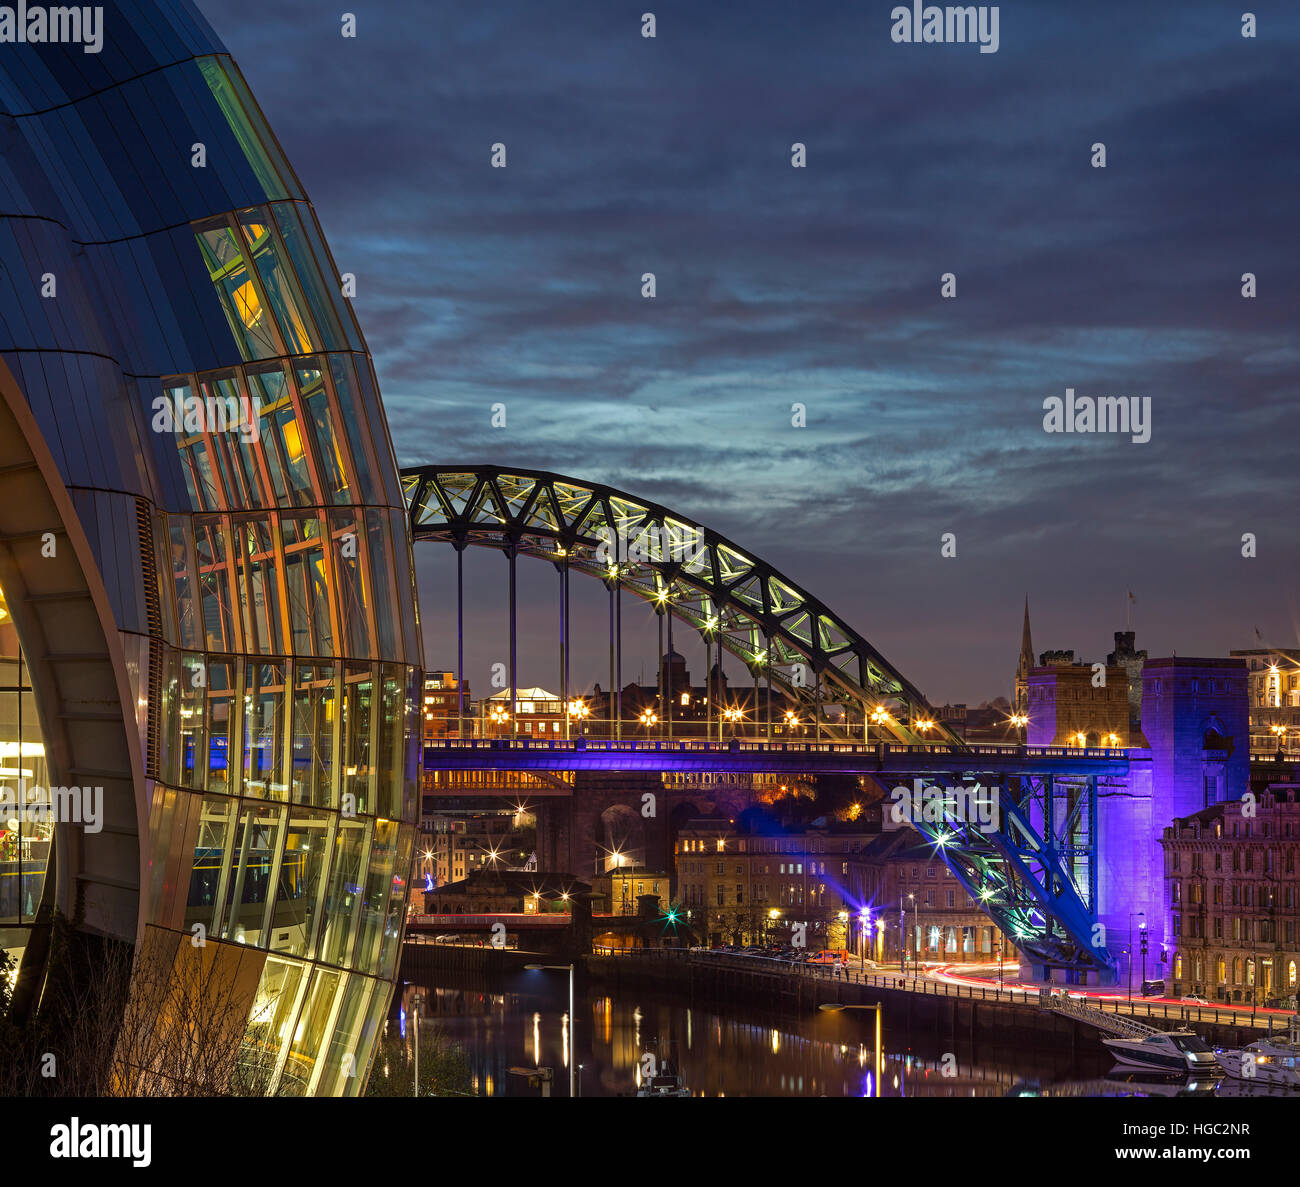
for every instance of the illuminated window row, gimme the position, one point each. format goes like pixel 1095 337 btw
pixel 269 268
pixel 267 434
pixel 301 882
pixel 309 583
pixel 331 735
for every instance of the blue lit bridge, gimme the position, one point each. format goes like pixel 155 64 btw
pixel 1033 871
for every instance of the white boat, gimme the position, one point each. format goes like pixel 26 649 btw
pixel 1275 1062
pixel 1179 1051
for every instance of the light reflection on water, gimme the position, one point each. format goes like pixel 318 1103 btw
pixel 746 1053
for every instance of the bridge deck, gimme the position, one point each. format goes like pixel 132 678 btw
pixel 521 754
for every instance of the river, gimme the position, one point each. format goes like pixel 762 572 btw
pixel 522 1023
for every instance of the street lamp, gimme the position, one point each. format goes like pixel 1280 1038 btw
pixel 1142 943
pixel 573 1020
pixel 580 710
pixel 1020 721
pixel 499 717
pixel 1132 915
pixel 837 1007
pixel 920 936
pixel 416 1002
pixel 649 718
pixel 880 716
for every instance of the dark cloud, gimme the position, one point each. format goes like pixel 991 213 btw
pixel 821 286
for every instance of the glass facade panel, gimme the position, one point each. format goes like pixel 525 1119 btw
pixel 315 732
pixel 351 843
pixel 329 448
pixel 319 289
pixel 358 723
pixel 278 283
pixel 264 731
pixel 378 887
pixel 248 886
pixel 311 1034
pixel 270 1022
pixel 259 587
pixel 281 438
pixel 212 556
pixel 307 582
pixel 223 724
pixel 212 852
pixel 300 891
pixel 342 1070
pixel 180 544
pixel 347 531
pixel 241 300
pixel 193 721
pixel 391 752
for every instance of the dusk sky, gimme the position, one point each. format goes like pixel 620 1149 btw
pixel 821 286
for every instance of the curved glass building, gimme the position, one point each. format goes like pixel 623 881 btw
pixel 209 647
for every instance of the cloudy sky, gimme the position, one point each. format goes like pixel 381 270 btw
pixel 821 286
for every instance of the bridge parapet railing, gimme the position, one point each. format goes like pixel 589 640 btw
pixel 760 746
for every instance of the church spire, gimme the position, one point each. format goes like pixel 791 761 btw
pixel 1020 695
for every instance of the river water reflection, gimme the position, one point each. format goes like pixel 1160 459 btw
pixel 522 1022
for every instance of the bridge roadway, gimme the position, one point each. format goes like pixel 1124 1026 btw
pixel 601 754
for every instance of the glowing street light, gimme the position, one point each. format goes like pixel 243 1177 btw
pixel 837 1007
pixel 573 1019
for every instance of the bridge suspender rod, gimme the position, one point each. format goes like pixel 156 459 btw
pixel 668 699
pixel 563 572
pixel 609 700
pixel 460 641
pixel 514 691
pixel 618 652
pixel 663 713
pixel 568 644
pixel 720 685
pixel 709 691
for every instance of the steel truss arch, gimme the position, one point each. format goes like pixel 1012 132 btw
pixel 1032 867
pixel 678 566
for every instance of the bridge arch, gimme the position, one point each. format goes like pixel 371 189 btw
pixel 680 567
